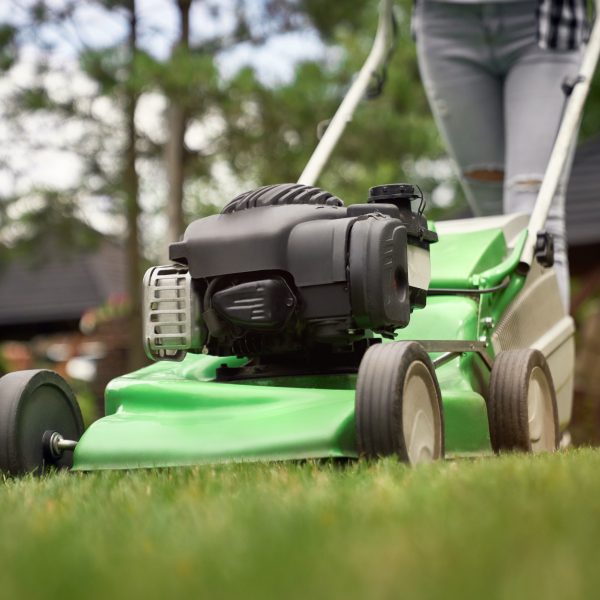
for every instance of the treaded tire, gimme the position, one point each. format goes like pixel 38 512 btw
pixel 516 375
pixel 386 380
pixel 281 194
pixel 32 403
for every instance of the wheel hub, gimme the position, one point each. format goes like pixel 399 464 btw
pixel 539 412
pixel 419 415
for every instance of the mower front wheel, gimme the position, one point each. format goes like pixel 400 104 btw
pixel 522 409
pixel 38 414
pixel 398 404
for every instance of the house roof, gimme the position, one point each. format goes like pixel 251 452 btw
pixel 60 287
pixel 583 195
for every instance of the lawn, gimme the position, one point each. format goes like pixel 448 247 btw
pixel 509 527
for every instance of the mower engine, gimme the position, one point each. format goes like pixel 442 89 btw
pixel 288 270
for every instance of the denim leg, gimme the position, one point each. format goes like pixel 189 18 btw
pixel 534 103
pixel 465 96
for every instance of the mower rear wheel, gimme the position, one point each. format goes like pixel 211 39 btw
pixel 398 404
pixel 35 406
pixel 522 408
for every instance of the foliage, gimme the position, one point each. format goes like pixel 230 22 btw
pixel 496 528
pixel 271 131
pixel 256 133
pixel 86 400
pixel 590 125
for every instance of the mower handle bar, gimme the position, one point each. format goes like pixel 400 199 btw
pixel 343 115
pixel 562 146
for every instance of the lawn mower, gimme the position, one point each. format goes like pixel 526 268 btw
pixel 291 326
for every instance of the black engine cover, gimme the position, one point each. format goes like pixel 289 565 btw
pixel 264 305
pixel 251 240
pixel 379 274
pixel 312 273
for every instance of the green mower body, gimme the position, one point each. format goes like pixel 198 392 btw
pixel 177 413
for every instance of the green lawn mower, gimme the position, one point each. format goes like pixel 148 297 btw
pixel 291 326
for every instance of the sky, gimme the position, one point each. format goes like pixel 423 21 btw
pixel 158 28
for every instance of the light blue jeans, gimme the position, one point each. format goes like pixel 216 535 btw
pixel 498 102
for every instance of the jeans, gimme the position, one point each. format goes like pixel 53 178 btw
pixel 498 102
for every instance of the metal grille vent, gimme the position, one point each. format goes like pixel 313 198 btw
pixel 527 319
pixel 170 312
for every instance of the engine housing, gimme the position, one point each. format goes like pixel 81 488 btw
pixel 281 279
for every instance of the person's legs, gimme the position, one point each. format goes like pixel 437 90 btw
pixel 465 95
pixel 534 104
pixel 486 78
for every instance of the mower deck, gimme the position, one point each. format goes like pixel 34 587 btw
pixel 180 418
pixel 171 414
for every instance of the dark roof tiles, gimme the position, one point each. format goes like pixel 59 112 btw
pixel 62 287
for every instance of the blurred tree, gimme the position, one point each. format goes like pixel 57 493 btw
pixel 131 186
pixel 198 98
pixel 8 56
pixel 177 118
pixel 246 131
pixel 112 72
pixel 119 74
pixel 268 131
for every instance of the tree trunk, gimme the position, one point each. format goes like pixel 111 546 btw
pixel 175 150
pixel 132 208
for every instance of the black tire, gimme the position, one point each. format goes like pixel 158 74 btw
pixel 516 375
pixel 33 404
pixel 381 387
pixel 282 194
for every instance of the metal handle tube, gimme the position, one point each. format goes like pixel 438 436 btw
pixel 568 129
pixel 344 113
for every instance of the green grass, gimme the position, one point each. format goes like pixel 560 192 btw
pixel 510 527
